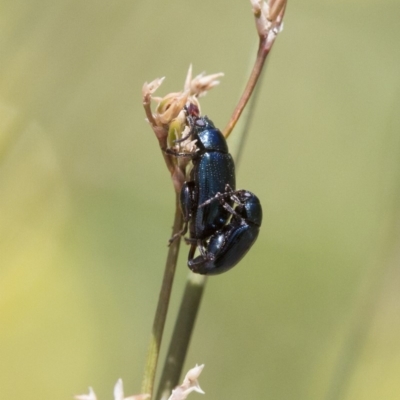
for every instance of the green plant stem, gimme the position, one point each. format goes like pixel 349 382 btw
pixel 181 335
pixel 162 306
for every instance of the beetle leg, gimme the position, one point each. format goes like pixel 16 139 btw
pixel 231 210
pixel 232 194
pixel 228 189
pixel 235 196
pixel 201 247
pixel 229 192
pixel 191 131
pixel 190 241
pixel 182 139
pixel 205 257
pixel 178 154
pixel 192 251
pixel 177 235
pixel 221 198
pixel 218 196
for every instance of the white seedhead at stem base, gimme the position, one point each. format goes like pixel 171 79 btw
pixel 118 394
pixel 190 384
pixel 90 396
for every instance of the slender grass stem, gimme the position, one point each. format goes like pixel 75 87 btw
pixel 162 306
pixel 265 44
pixel 181 335
pixel 255 73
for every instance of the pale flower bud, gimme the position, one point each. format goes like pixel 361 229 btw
pixel 190 384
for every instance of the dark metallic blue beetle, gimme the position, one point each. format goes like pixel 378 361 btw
pixel 207 199
pixel 213 169
pixel 229 245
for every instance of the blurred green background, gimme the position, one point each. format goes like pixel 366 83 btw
pixel 86 204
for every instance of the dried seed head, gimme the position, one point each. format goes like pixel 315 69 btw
pixel 268 16
pixel 169 121
pixel 169 107
pixel 190 384
pixel 150 88
pixel 201 84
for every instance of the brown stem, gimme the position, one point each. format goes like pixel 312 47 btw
pixel 161 135
pixel 263 50
pixel 277 11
